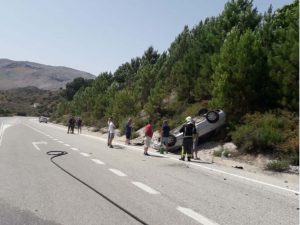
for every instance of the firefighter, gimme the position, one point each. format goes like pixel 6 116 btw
pixel 188 130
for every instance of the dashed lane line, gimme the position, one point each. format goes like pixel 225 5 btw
pixel 118 172
pixel 196 216
pixel 67 145
pixel 75 149
pixel 84 154
pixel 98 161
pixel 146 188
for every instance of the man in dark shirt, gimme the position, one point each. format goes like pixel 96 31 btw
pixel 128 128
pixel 188 130
pixel 165 132
pixel 71 125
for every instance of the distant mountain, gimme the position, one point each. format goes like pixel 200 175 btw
pixel 15 74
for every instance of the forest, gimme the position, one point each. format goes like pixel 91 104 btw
pixel 242 61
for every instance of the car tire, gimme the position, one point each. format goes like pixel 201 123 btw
pixel 212 116
pixel 202 112
pixel 172 140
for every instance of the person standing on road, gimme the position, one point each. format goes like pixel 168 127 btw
pixel 188 130
pixel 111 132
pixel 148 136
pixel 128 129
pixel 165 132
pixel 71 125
pixel 108 122
pixel 78 123
pixel 195 145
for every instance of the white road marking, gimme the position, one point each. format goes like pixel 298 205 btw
pixel 55 139
pixel 2 129
pixel 38 143
pixel 67 145
pixel 84 154
pixel 60 142
pixel 196 216
pixel 98 161
pixel 146 188
pixel 241 177
pixel 118 172
pixel 74 149
pixel 194 164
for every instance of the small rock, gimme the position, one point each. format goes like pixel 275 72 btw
pixel 238 167
pixel 285 181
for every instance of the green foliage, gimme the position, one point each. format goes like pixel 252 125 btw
pixel 74 86
pixel 275 133
pixel 284 56
pixel 123 106
pixel 240 77
pixel 240 61
pixel 278 166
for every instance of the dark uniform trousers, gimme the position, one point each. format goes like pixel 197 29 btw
pixel 187 147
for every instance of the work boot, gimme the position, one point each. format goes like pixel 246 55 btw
pixel 189 159
pixel 182 159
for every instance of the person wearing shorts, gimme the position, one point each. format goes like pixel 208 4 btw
pixel 148 136
pixel 111 133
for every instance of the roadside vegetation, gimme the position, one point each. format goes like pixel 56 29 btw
pixel 28 101
pixel 241 61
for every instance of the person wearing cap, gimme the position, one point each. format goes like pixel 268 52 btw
pixel 188 130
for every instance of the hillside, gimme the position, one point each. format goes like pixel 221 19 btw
pixel 21 101
pixel 16 74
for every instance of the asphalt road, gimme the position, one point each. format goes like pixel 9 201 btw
pixel 108 186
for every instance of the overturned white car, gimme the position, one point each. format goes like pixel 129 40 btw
pixel 206 124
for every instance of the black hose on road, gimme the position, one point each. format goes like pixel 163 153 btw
pixel 55 154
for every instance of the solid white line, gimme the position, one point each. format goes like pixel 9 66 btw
pixel 74 149
pixel 118 172
pixel 84 154
pixel 67 145
pixel 243 178
pixel 196 216
pixel 98 161
pixel 145 188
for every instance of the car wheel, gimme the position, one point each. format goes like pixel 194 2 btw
pixel 172 140
pixel 212 116
pixel 202 112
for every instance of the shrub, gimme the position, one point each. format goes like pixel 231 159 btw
pixel 278 166
pixel 267 133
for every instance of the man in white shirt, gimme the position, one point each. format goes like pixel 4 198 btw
pixel 111 132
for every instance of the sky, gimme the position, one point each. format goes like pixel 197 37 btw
pixel 99 35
